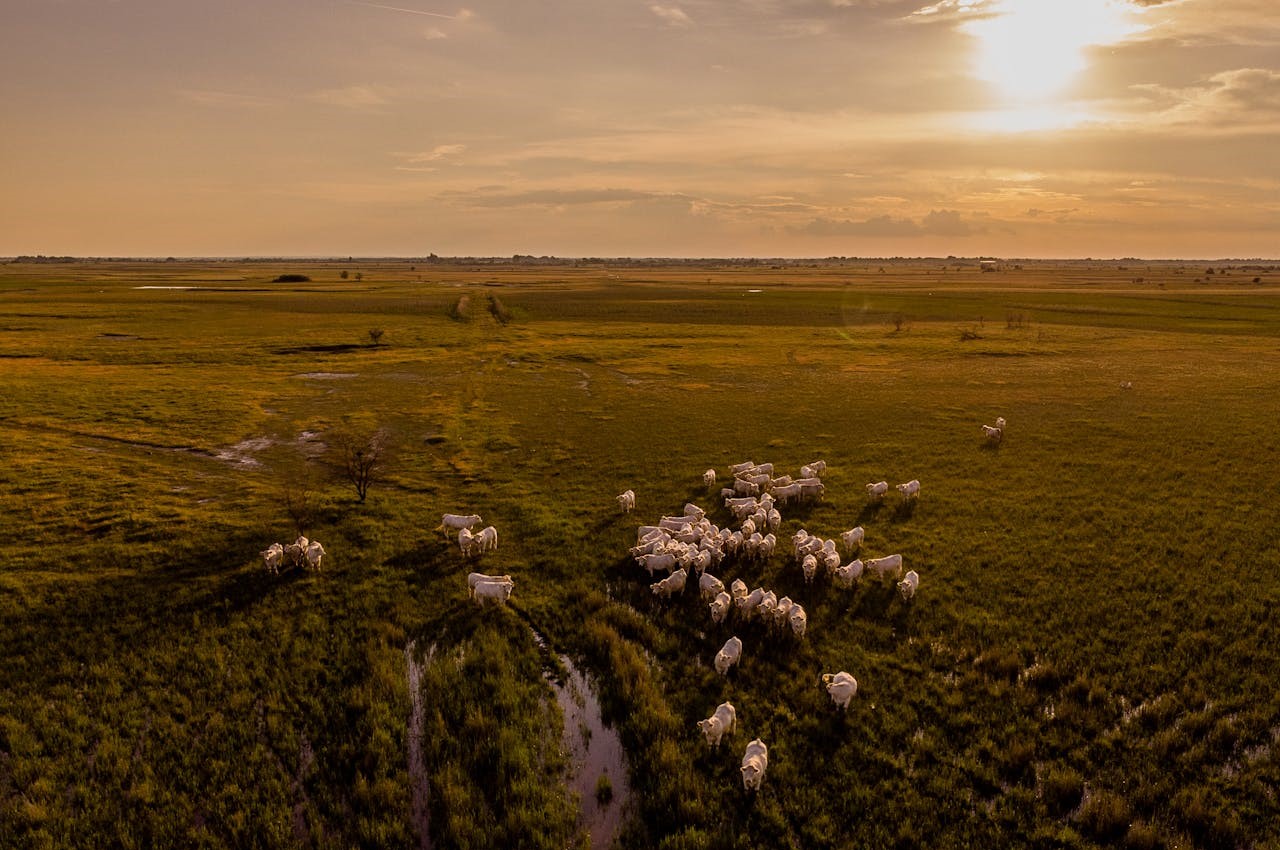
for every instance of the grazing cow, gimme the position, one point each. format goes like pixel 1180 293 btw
pixel 810 567
pixel 626 501
pixel 745 488
pixel 786 492
pixel 910 490
pixel 296 552
pixel 662 561
pixel 812 490
pixel 876 491
pixel 852 539
pixel 487 539
pixel 728 655
pixel 475 578
pixel 993 435
pixel 709 587
pixel 314 554
pixel 799 620
pixel 818 466
pixel 767 544
pixel 492 591
pixel 1000 422
pixel 755 761
pixel 709 478
pixel 673 583
pixel 831 561
pixel 690 509
pixel 909 584
pixel 841 686
pixel 273 557
pixel 467 542
pixel 1126 385
pixel 454 522
pixel 783 611
pixel 720 607
pixel 723 722
pixel 845 576
pixel 772 519
pixel 889 565
pixel 747 605
pixel 741 467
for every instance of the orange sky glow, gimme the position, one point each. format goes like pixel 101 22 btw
pixel 791 128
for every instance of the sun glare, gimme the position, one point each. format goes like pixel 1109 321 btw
pixel 1033 49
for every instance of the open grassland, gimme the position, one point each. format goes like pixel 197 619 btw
pixel 1091 660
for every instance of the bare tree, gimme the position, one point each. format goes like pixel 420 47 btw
pixel 362 458
pixel 375 335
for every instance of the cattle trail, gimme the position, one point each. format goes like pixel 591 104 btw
pixel 417 769
pixel 594 751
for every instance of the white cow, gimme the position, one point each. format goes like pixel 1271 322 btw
pixel 492 591
pixel 799 620
pixel 993 435
pixel 910 490
pixel 728 655
pixel 852 539
pixel 673 583
pixel 810 567
pixel 889 565
pixel 909 584
pixel 690 509
pixel 660 561
pixel 741 467
pixel 454 522
pixel 831 561
pixel 467 542
pixel 626 501
pixel 314 554
pixel 841 686
pixel 746 605
pixel 475 578
pixel 876 491
pixel 1000 422
pixel 487 539
pixel 738 588
pixel 723 722
pixel 720 607
pixel 709 478
pixel 783 611
pixel 845 576
pixel 755 761
pixel 273 557
pixel 709 587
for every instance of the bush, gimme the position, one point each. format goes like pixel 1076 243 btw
pixel 1142 836
pixel 1062 790
pixel 1106 816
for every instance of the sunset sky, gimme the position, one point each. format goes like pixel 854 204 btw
pixel 1027 128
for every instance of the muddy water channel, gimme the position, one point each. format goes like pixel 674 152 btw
pixel 417 768
pixel 597 763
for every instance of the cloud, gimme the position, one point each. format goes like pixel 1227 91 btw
pixel 437 153
pixel 1243 96
pixel 231 100
pixel 351 97
pixel 462 14
pixel 672 15
pixel 951 10
pixel 936 223
pixel 559 197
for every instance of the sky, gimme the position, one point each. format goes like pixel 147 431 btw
pixel 677 128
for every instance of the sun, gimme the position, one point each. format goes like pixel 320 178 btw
pixel 1031 50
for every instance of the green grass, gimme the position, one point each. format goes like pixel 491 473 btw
pixel 1089 661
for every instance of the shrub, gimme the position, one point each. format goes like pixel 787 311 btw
pixel 1142 836
pixel 1062 790
pixel 1106 816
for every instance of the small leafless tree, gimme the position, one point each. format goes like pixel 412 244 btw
pixel 375 335
pixel 362 458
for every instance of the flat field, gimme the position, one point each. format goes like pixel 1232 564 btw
pixel 1092 658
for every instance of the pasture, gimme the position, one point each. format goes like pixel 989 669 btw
pixel 1090 660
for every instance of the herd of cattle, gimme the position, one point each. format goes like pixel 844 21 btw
pixel 300 553
pixel 689 543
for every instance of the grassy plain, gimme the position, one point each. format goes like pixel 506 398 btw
pixel 1091 659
